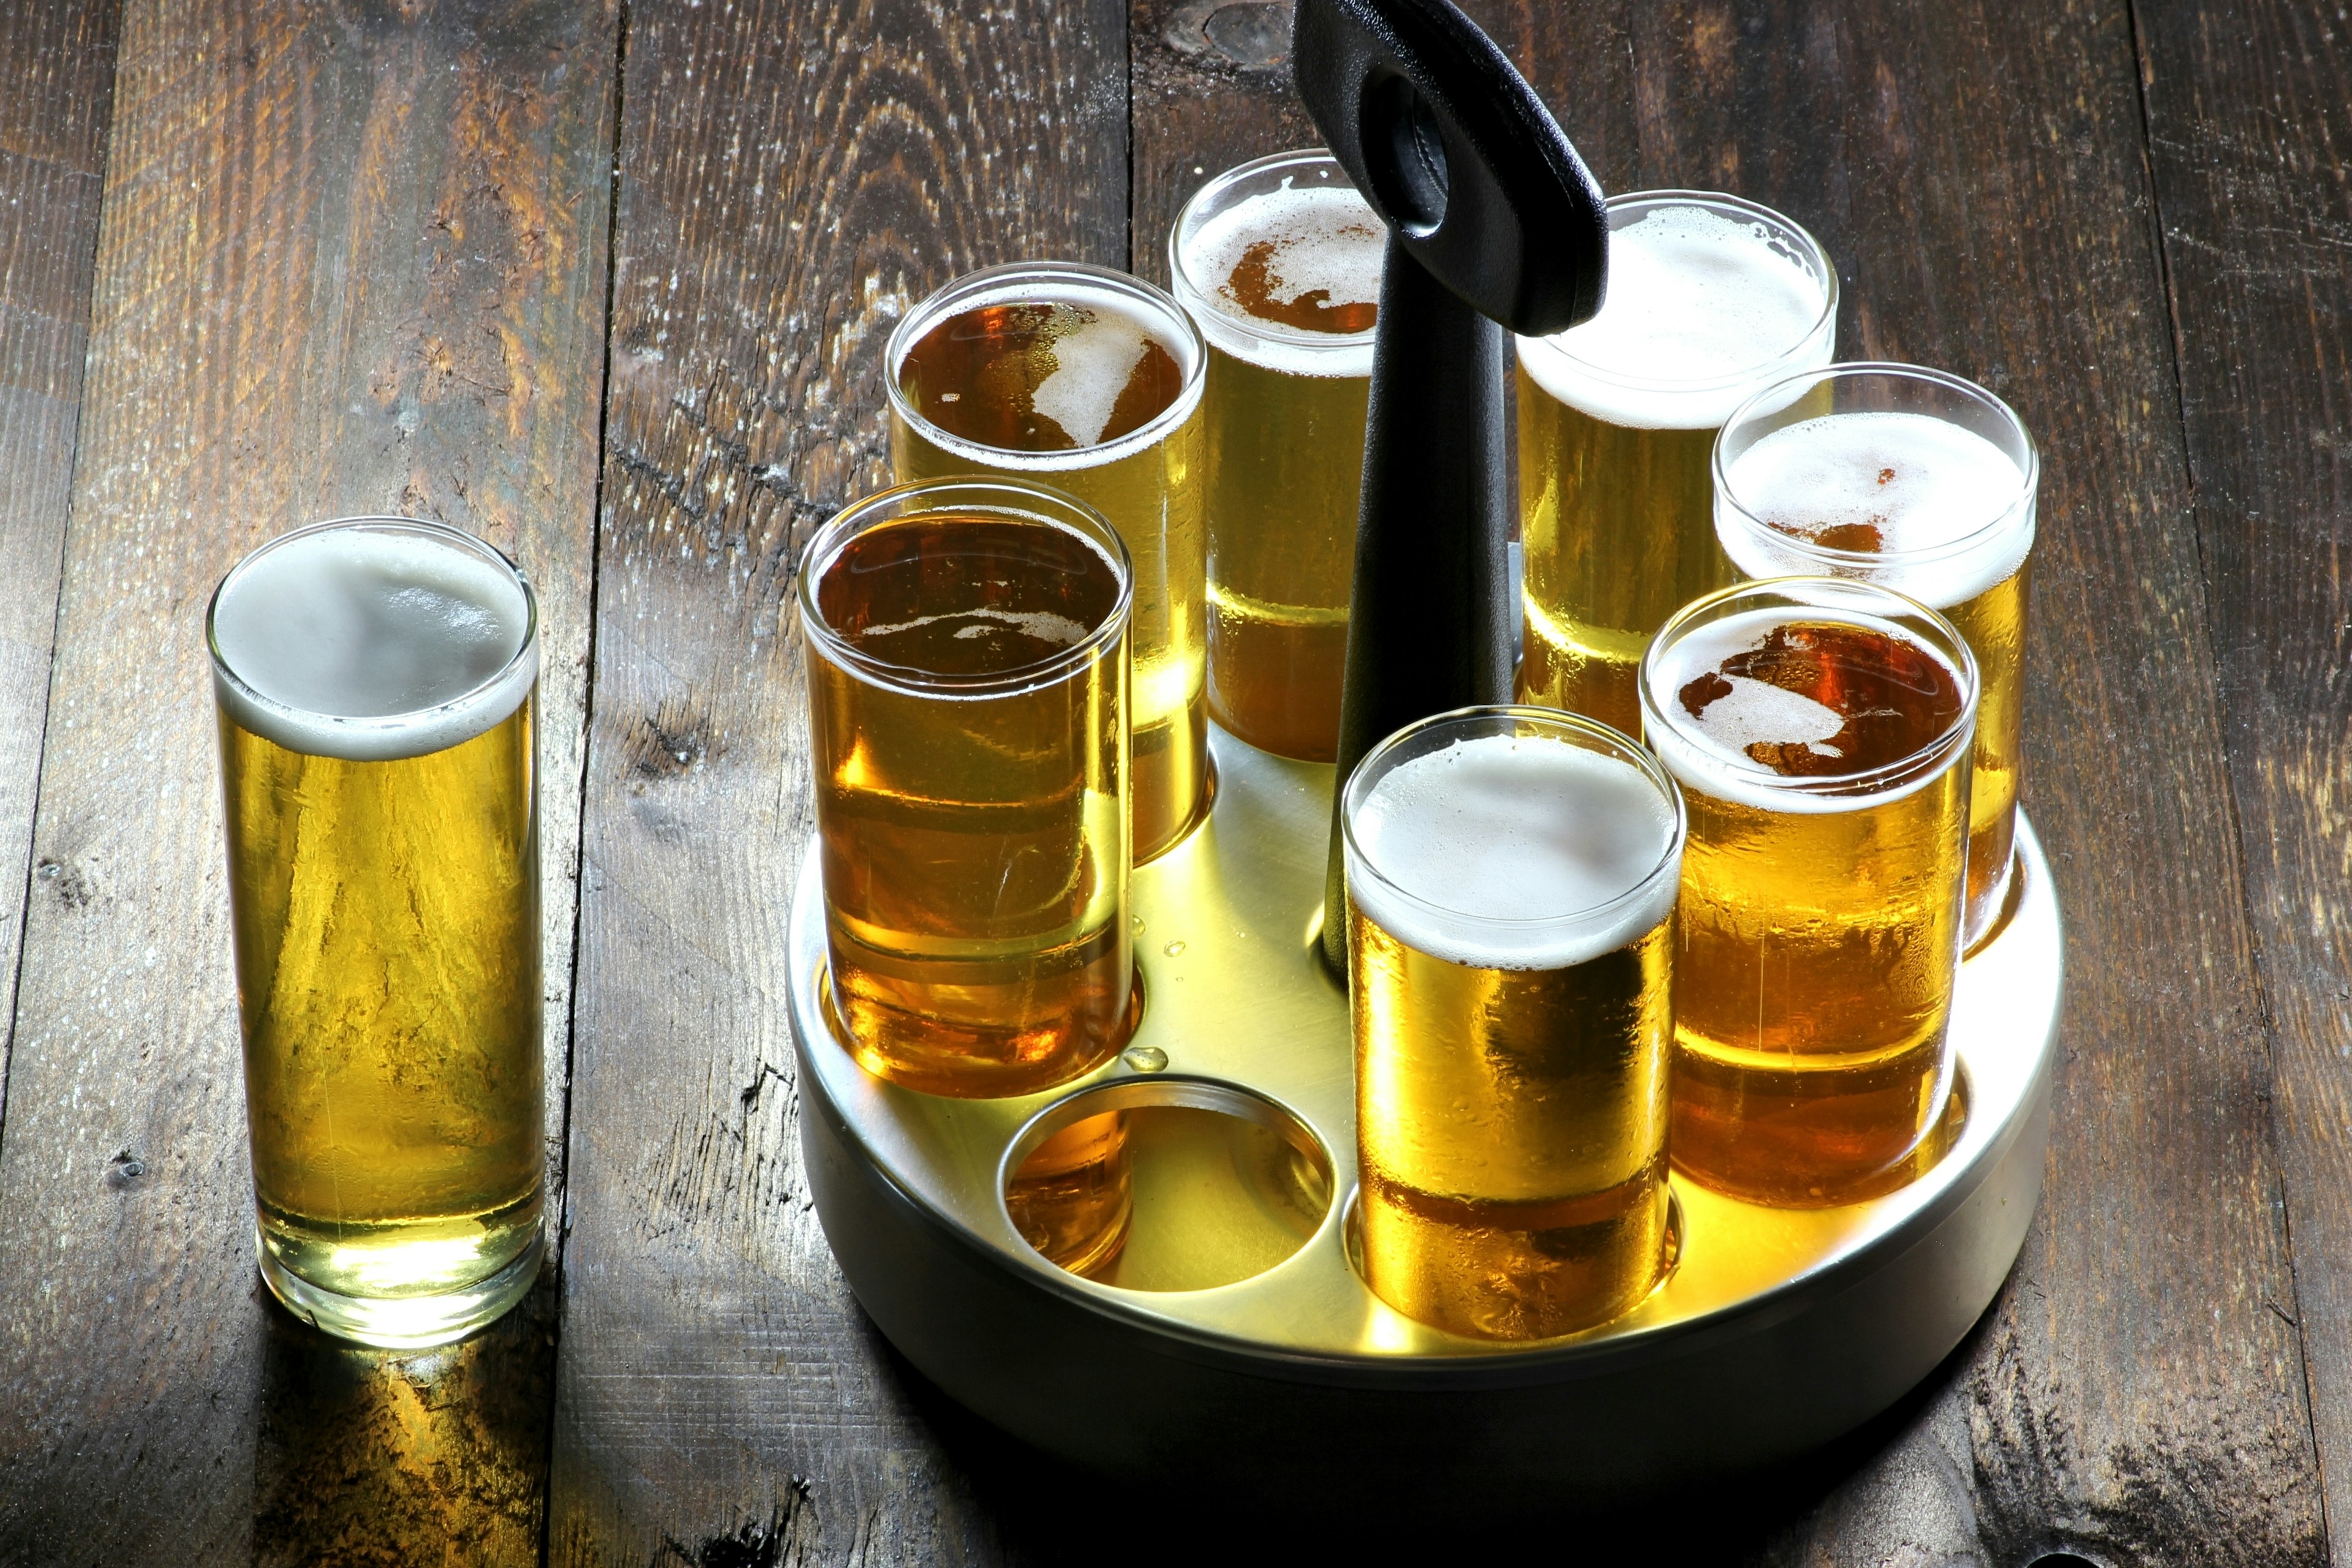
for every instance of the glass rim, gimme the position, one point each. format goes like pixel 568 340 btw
pixel 1003 278
pixel 1005 498
pixel 1631 750
pixel 1186 289
pixel 2009 517
pixel 1826 316
pixel 1951 743
pixel 381 726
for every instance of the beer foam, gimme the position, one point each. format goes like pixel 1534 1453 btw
pixel 370 642
pixel 1091 368
pixel 1701 309
pixel 1325 238
pixel 1929 487
pixel 1512 852
pixel 1708 753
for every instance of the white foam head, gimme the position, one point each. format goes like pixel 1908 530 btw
pixel 1514 852
pixel 372 639
pixel 1091 365
pixel 1952 511
pixel 1708 752
pixel 1703 308
pixel 1323 237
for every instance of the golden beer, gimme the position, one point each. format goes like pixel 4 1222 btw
pixel 1920 482
pixel 1089 382
pixel 1820 730
pixel 968 687
pixel 375 681
pixel 1709 297
pixel 1279 263
pixel 1511 883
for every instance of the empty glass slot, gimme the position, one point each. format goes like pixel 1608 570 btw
pixel 1168 1184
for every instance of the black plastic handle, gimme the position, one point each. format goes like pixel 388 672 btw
pixel 1494 223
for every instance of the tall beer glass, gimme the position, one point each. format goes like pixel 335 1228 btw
pixel 1921 482
pixel 1709 297
pixel 1511 884
pixel 1091 382
pixel 1279 263
pixel 374 679
pixel 967 690
pixel 1820 729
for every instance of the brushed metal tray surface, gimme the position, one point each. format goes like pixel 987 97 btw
pixel 1777 1330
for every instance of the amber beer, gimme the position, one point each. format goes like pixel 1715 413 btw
pixel 1279 263
pixel 1511 883
pixel 1820 729
pixel 1709 297
pixel 1089 382
pixel 968 689
pixel 1921 482
pixel 374 680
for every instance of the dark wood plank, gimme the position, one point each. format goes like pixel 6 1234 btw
pixel 1210 82
pixel 351 259
pixel 793 177
pixel 2249 122
pixel 58 60
pixel 1976 166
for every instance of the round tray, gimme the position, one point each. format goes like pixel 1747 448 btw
pixel 1776 1330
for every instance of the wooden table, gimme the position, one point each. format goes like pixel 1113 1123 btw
pixel 608 283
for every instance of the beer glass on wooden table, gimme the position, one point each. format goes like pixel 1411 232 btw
pixel 1917 481
pixel 1279 263
pixel 1820 729
pixel 1511 883
pixel 1089 382
pixel 375 682
pixel 1709 298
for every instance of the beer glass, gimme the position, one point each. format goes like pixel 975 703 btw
pixel 1279 263
pixel 1511 886
pixel 1820 729
pixel 375 681
pixel 1709 298
pixel 968 697
pixel 1089 382
pixel 1921 482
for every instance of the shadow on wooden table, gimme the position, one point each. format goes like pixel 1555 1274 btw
pixel 1052 1513
pixel 425 1456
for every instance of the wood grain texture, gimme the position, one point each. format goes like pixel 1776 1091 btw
pixel 2248 109
pixel 351 260
pixel 2137 1392
pixel 793 177
pixel 1212 89
pixel 57 58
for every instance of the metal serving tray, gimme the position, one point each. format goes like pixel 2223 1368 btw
pixel 1776 1330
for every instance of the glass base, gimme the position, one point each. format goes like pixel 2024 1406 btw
pixel 407 1323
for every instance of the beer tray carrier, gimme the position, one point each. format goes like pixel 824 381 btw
pixel 1775 1330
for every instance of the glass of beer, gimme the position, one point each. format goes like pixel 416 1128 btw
pixel 1089 382
pixel 1921 482
pixel 967 655
pixel 1511 886
pixel 1709 298
pixel 1820 729
pixel 374 680
pixel 1279 263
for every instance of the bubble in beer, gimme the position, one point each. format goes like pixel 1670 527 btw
pixel 1508 829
